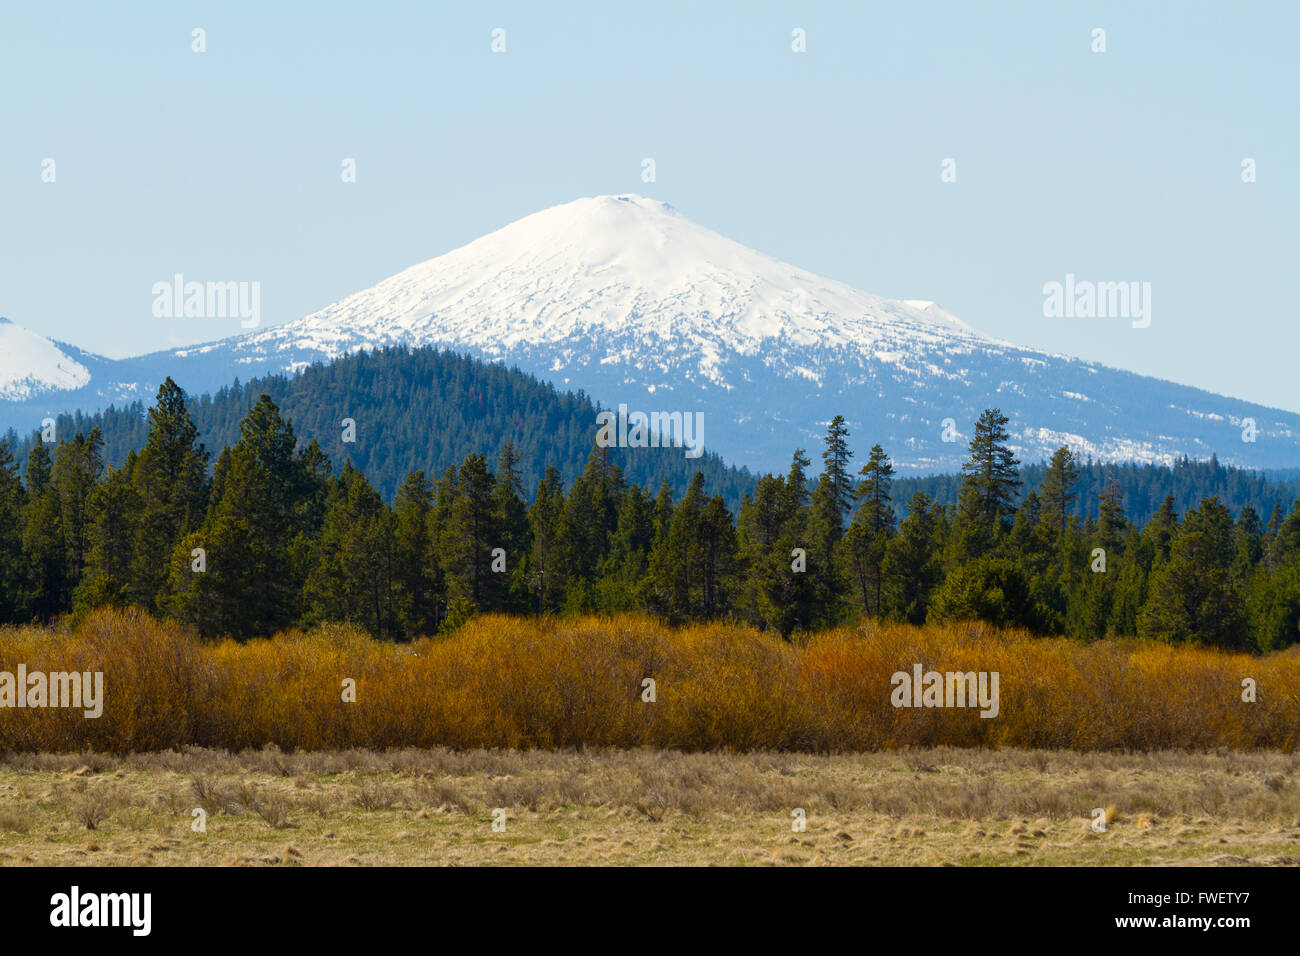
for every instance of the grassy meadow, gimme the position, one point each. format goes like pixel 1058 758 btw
pixel 931 807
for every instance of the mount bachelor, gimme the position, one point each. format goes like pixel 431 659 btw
pixel 632 302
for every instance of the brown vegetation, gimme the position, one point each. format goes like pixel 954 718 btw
pixel 506 682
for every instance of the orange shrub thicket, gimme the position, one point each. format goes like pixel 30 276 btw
pixel 510 682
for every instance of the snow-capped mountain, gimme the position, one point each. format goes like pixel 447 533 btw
pixel 634 303
pixel 618 266
pixel 32 365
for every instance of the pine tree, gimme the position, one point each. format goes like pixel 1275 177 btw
pixel 512 515
pixel 590 517
pixel 1273 601
pixel 1096 581
pixel 114 509
pixel 273 541
pixel 773 540
pixel 990 481
pixel 47 590
pixel 714 558
pixel 474 532
pixel 12 561
pixel 824 534
pixel 868 536
pixel 663 512
pixel 761 526
pixel 1250 543
pixel 672 564
pixel 78 464
pixel 835 468
pixel 1271 530
pixel 1192 598
pixel 912 564
pixel 1160 532
pixel 547 563
pixel 441 533
pixel 351 576
pixel 253 580
pixel 313 470
pixel 415 583
pixel 619 585
pixel 796 481
pixel 40 465
pixel 691 569
pixel 990 588
pixel 1027 530
pixel 1131 585
pixel 1057 494
pixel 1112 526
pixel 171 486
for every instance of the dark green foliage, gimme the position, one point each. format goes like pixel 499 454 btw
pixel 474 533
pixel 45 559
pixel 993 589
pixel 256 538
pixel 990 482
pixel 170 486
pixel 913 564
pixel 78 465
pixel 868 536
pixel 547 577
pixel 416 410
pixel 1145 487
pixel 692 567
pixel 12 564
pixel 274 539
pixel 771 531
pixel 417 581
pixel 115 509
pixel 352 562
pixel 1194 597
pixel 835 466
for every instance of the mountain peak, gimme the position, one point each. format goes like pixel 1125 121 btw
pixel 618 264
pixel 32 365
pixel 640 202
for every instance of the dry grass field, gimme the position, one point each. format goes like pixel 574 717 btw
pixel 941 806
pixel 545 720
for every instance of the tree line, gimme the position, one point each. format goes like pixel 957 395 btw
pixel 422 409
pixel 270 536
pixel 1145 486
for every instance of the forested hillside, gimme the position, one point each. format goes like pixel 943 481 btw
pixel 274 534
pixel 421 409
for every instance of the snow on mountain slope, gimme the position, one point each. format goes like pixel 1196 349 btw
pixel 630 301
pixel 619 265
pixel 31 365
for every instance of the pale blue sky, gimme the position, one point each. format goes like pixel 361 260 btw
pixel 225 166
